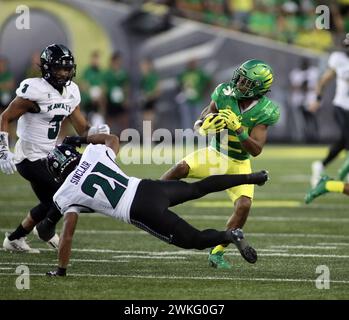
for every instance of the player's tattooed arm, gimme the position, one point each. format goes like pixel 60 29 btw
pixel 15 109
pixel 255 142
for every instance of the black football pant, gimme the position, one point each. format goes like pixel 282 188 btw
pixel 342 119
pixel 149 210
pixel 44 187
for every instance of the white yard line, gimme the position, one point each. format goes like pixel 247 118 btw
pixel 333 243
pixel 304 247
pixel 97 261
pixel 270 218
pixel 298 235
pixel 28 263
pixel 223 217
pixel 169 277
pixel 251 234
pixel 130 254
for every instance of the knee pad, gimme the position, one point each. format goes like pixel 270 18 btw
pixel 39 212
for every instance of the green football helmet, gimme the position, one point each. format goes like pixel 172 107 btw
pixel 252 79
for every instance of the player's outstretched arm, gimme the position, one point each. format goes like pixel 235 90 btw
pixel 82 126
pixel 109 140
pixel 65 243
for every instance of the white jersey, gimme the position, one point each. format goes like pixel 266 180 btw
pixel 97 185
pixel 38 132
pixel 339 62
pixel 298 77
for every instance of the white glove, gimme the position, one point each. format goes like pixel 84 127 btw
pixel 7 164
pixel 102 128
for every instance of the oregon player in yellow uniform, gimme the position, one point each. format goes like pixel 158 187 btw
pixel 241 107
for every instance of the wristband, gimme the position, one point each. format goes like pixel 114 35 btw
pixel 243 136
pixel 4 138
pixel 83 140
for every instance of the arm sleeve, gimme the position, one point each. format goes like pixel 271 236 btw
pixel 75 209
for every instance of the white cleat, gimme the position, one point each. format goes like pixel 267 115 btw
pixel 18 245
pixel 52 243
pixel 317 168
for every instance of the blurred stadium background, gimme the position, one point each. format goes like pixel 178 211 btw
pixel 216 35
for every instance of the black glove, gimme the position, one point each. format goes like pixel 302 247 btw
pixel 60 272
pixel 75 141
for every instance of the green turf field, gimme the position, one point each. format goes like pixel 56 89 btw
pixel 112 260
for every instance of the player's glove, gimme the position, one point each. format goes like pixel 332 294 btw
pixel 231 119
pixel 102 128
pixel 60 272
pixel 7 164
pixel 75 141
pixel 212 123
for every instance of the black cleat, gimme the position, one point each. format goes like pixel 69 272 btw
pixel 260 178
pixel 247 252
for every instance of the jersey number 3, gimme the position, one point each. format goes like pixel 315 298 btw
pixel 113 194
pixel 56 125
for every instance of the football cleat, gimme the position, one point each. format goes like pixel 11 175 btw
pixel 260 178
pixel 18 245
pixel 52 242
pixel 247 252
pixel 317 168
pixel 317 191
pixel 216 260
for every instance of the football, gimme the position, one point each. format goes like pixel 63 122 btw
pixel 216 124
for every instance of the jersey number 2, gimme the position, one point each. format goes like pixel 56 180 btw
pixel 113 195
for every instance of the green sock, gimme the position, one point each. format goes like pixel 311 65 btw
pixel 217 249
